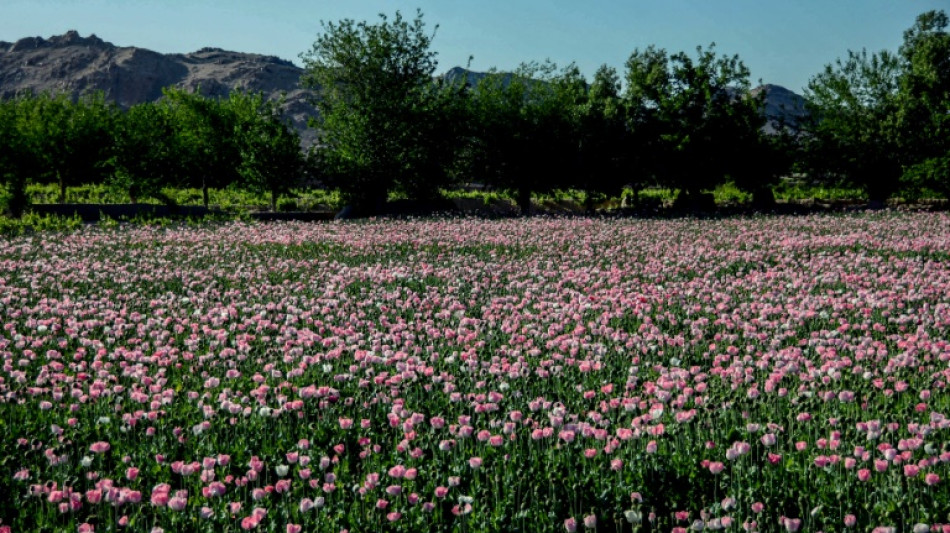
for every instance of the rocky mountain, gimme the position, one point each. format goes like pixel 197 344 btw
pixel 471 77
pixel 129 75
pixel 782 107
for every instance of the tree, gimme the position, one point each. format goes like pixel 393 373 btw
pixel 647 147
pixel 147 153
pixel 383 123
pixel 925 102
pixel 441 127
pixel 271 160
pixel 762 160
pixel 853 137
pixel 694 108
pixel 525 129
pixel 206 145
pixel 604 139
pixel 73 138
pixel 19 153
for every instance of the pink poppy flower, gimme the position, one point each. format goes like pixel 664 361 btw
pixel 570 525
pixel 99 447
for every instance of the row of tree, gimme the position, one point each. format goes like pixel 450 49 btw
pixel 388 124
pixel 879 121
pixel 183 140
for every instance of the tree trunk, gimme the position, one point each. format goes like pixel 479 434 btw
pixel 878 193
pixel 17 199
pixel 62 187
pixel 204 192
pixel 692 200
pixel 683 200
pixel 589 203
pixel 880 184
pixel 273 200
pixel 524 200
pixel 763 198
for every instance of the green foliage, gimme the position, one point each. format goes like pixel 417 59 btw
pixel 925 102
pixel 882 116
pixel 147 151
pixel 183 140
pixel 385 124
pixel 208 149
pixel 794 190
pixel 271 160
pixel 72 139
pixel 854 139
pixel 729 193
pixel 32 222
pixel 50 138
pixel 231 199
pixel 18 157
pixel 695 118
pixel 524 129
pixel 683 124
pixel 604 138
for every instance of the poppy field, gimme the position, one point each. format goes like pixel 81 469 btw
pixel 461 375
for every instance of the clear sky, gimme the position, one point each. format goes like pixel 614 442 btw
pixel 782 42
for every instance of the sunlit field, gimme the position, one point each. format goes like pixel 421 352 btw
pixel 750 374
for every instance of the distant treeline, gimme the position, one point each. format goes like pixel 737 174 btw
pixel 183 140
pixel 879 122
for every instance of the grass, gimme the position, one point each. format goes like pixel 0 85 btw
pixel 229 199
pixel 796 191
pixel 234 200
pixel 32 222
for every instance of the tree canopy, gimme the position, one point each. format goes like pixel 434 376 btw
pixel 882 118
pixel 385 122
pixel 699 110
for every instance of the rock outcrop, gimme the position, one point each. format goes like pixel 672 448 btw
pixel 783 108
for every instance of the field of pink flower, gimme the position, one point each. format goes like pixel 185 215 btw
pixel 762 374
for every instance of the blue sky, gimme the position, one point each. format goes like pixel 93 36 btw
pixel 783 42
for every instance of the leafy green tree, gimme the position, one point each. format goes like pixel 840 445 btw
pixel 525 129
pixel 207 146
pixel 73 138
pixel 882 121
pixel 763 160
pixel 271 160
pixel 854 136
pixel 694 109
pixel 441 128
pixel 647 145
pixel 146 151
pixel 604 139
pixel 19 153
pixel 383 121
pixel 925 102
